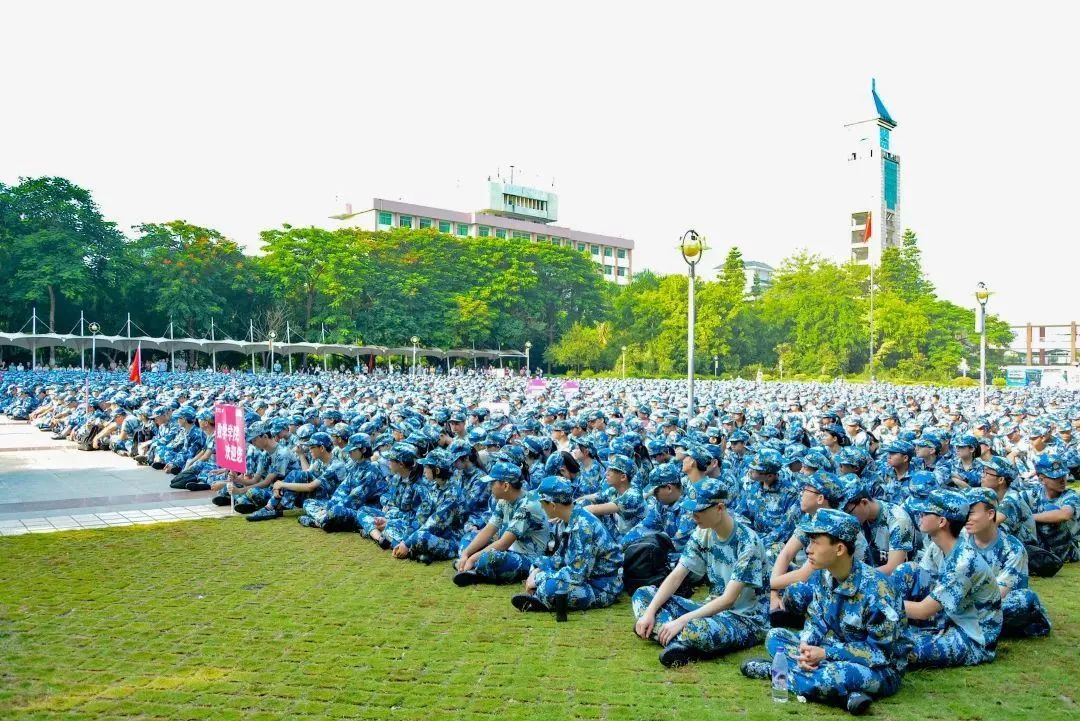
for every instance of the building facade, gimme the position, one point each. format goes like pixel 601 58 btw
pixel 874 197
pixel 513 211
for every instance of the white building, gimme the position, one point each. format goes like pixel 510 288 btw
pixel 873 183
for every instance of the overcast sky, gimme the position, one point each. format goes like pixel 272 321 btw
pixel 650 119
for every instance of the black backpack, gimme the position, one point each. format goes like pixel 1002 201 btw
pixel 645 563
pixel 1042 562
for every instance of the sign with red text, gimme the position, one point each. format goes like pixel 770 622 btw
pixel 570 389
pixel 535 387
pixel 230 443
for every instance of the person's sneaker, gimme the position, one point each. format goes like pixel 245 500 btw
pixel 676 654
pixel 424 558
pixel 157 465
pixel 197 486
pixel 306 521
pixel 264 514
pixel 179 483
pixel 141 460
pixel 466 578
pixel 759 668
pixel 244 507
pixel 384 543
pixel 221 501
pixel 525 602
pixel 858 703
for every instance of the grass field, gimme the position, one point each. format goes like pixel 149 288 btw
pixel 224 619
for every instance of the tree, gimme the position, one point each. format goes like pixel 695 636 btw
pixel 901 271
pixel 579 347
pixel 57 244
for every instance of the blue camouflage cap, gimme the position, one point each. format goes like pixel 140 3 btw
pixel 665 474
pixel 622 464
pixel 951 505
pixel 403 453
pixel 254 431
pixel 982 495
pixel 852 456
pixel 738 436
pixel 476 435
pixel 855 489
pixel 554 464
pixel 928 441
pixel 503 471
pixel 1001 466
pixel 965 440
pixel 831 522
pixel 512 454
pixel 815 458
pixel 320 439
pixel 922 483
pixel 555 489
pixel 767 461
pixel 1051 466
pixel 459 449
pixel 827 484
pixel 903 447
pixel 436 458
pixel 699 454
pixel 706 493
pixel 586 444
pixel 1038 428
pixel 358 442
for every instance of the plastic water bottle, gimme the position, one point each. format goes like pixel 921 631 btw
pixel 779 678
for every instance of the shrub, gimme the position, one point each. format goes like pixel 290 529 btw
pixel 964 382
pixel 998 382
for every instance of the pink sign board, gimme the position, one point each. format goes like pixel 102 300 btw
pixel 535 387
pixel 230 443
pixel 571 389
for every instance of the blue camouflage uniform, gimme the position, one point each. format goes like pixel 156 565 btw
pixel 671 520
pixel 858 621
pixel 965 632
pixel 1061 538
pixel 739 557
pixel 586 562
pixel 773 512
pixel 279 462
pixel 358 493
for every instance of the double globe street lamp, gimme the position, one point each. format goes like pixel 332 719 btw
pixel 692 246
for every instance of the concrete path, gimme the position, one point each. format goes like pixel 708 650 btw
pixel 48 485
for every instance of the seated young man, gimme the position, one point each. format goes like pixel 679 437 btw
pixel 952 600
pixel 438 518
pixel 852 648
pixel 513 539
pixel 358 493
pixel 1021 610
pixel 620 506
pixel 1056 509
pixel 663 512
pixel 733 617
pixel 583 570
pixel 319 481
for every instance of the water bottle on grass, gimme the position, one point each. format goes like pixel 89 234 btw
pixel 780 678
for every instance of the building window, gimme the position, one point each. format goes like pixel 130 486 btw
pixel 622 253
pixel 541 238
pixel 444 226
pixel 594 249
pixel 385 218
pixel 556 241
pixel 582 247
pixel 425 223
pixel 607 252
pixel 622 272
pixel 520 235
pixel 608 269
pixel 404 221
pixel 500 233
pixel 483 231
pixel 462 229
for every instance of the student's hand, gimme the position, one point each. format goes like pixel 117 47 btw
pixel 810 657
pixel 279 486
pixel 380 523
pixel 530 582
pixel 645 624
pixel 671 629
pixel 401 550
pixel 217 485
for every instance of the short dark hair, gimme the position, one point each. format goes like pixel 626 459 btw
pixel 956 526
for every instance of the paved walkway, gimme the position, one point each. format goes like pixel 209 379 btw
pixel 48 485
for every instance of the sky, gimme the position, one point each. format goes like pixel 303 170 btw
pixel 646 119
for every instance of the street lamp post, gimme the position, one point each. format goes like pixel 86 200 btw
pixel 692 246
pixel 415 340
pixel 271 335
pixel 94 328
pixel 715 365
pixel 982 294
pixel 624 362
pixel 528 350
pixel 963 367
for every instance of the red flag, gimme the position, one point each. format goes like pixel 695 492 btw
pixel 135 374
pixel 868 232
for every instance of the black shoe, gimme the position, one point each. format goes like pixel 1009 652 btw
pixel 221 501
pixel 179 483
pixel 141 460
pixel 197 486
pixel 786 619
pixel 858 703
pixel 759 668
pixel 384 544
pixel 560 601
pixel 466 578
pixel 527 602
pixel 676 654
pixel 245 507
pixel 157 465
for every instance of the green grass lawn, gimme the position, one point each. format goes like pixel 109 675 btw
pixel 224 619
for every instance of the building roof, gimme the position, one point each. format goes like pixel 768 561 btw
pixel 882 112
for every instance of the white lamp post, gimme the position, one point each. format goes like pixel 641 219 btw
pixel 982 294
pixel 94 328
pixel 271 335
pixel 415 340
pixel 692 246
pixel 624 362
pixel 528 349
pixel 715 365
